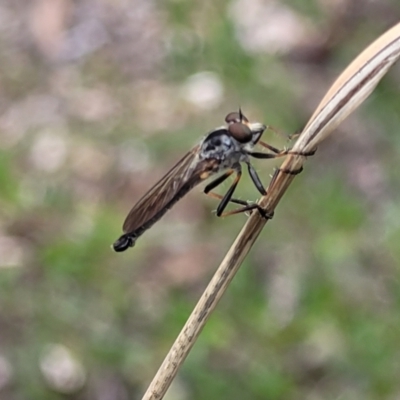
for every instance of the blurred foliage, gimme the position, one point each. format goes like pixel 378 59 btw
pixel 97 100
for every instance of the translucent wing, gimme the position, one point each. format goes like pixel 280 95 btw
pixel 178 181
pixel 197 165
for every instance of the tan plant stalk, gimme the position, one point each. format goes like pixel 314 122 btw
pixel 352 87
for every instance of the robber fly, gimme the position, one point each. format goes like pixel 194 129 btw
pixel 222 150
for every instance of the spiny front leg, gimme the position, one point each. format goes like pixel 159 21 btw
pixel 282 153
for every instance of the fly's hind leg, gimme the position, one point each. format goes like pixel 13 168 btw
pixel 228 196
pixel 212 185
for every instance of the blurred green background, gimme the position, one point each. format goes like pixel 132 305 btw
pixel 98 98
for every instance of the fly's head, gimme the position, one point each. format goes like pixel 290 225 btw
pixel 242 130
pixel 227 143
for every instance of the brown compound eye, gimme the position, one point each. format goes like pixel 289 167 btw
pixel 240 132
pixel 235 117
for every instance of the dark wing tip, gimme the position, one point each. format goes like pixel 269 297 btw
pixel 123 243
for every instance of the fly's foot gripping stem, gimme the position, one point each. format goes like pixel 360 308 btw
pixel 291 172
pixel 265 214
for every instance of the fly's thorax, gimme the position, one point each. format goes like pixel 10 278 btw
pixel 218 145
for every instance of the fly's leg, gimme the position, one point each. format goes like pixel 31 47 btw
pixel 256 179
pixel 228 196
pixel 249 207
pixel 212 185
pixel 279 153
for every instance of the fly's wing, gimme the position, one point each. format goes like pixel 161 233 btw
pixel 186 171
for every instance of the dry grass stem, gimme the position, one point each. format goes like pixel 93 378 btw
pixel 351 88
